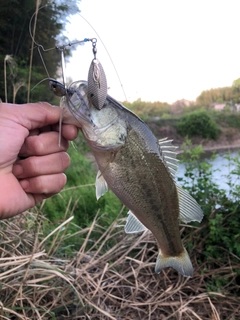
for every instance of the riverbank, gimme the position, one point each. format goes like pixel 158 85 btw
pixel 229 138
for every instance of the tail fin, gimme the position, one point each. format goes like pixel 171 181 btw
pixel 181 263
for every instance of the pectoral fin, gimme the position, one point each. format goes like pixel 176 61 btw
pixel 181 263
pixel 189 208
pixel 101 185
pixel 133 225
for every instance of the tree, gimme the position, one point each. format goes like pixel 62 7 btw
pixel 221 95
pixel 16 42
pixel 236 85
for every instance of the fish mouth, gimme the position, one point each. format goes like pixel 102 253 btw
pixel 76 101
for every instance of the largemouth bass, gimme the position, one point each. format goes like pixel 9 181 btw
pixel 139 169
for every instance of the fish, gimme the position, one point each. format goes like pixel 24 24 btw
pixel 139 169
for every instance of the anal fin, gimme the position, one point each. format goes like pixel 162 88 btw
pixel 133 225
pixel 189 208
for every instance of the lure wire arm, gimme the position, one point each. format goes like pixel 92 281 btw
pixel 63 68
pixel 62 47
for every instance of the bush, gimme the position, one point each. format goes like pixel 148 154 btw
pixel 198 123
pixel 227 118
pixel 219 233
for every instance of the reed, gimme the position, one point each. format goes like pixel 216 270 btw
pixel 111 276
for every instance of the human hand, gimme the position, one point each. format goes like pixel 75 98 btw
pixel 31 160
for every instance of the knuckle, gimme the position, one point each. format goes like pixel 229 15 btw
pixel 50 184
pixel 37 145
pixel 31 165
pixel 38 185
pixel 64 159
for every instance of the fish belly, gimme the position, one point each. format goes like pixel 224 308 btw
pixel 140 179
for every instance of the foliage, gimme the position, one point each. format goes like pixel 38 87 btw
pixel 16 42
pixel 226 118
pixel 236 85
pixel 219 234
pixel 198 123
pixel 225 94
pixel 148 110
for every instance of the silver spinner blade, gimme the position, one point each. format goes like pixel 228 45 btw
pixel 97 84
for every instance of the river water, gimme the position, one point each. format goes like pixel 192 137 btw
pixel 221 168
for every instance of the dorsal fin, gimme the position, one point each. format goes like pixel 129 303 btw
pixel 168 153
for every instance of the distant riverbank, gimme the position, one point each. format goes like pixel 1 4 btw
pixel 229 138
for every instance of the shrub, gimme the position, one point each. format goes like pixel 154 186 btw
pixel 198 123
pixel 220 227
pixel 227 118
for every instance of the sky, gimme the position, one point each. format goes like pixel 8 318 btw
pixel 163 50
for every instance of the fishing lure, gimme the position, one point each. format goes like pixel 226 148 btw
pixel 97 81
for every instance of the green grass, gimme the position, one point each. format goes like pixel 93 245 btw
pixel 78 198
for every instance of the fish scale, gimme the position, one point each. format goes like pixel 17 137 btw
pixel 151 200
pixel 140 170
pixel 139 200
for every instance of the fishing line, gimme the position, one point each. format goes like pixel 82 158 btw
pixel 62 47
pixel 97 94
pixel 58 47
pixel 40 82
pixel 107 54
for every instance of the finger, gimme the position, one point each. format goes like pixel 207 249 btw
pixel 43 144
pixel 69 132
pixel 41 165
pixel 36 115
pixel 46 185
pixel 36 198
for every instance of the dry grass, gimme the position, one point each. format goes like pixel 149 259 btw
pixel 113 279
